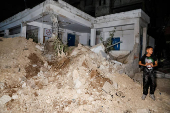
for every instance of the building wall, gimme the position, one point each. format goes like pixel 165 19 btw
pixel 126 34
pixel 15 30
pixel 83 37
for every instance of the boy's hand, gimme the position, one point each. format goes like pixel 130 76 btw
pixel 146 64
pixel 151 64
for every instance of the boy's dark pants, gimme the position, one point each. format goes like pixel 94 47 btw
pixel 148 80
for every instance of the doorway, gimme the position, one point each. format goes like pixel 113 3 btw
pixel 71 39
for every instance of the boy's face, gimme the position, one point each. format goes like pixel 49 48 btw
pixel 150 50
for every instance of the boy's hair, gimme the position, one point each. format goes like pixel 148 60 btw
pixel 148 47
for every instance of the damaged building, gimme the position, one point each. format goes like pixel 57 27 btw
pixel 55 58
pixel 130 28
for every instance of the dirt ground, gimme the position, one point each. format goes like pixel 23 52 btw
pixel 29 83
pixel 163 84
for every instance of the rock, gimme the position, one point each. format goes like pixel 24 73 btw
pixel 121 71
pixel 97 48
pixel 108 88
pixel 30 39
pixel 41 48
pixel 143 111
pixel 116 62
pixel 2 85
pixel 115 85
pixel 120 94
pixel 76 79
pixel 24 85
pixel 77 83
pixel 14 96
pixel 4 99
pixel 103 54
pixel 127 111
pixel 167 75
pixel 45 82
pixel 102 67
pixel 34 65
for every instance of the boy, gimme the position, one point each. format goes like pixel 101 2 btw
pixel 149 62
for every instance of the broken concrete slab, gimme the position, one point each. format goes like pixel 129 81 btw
pixel 115 85
pixel 143 111
pixel 4 99
pixel 167 75
pixel 2 85
pixel 41 48
pixel 119 53
pixel 116 62
pixel 103 54
pixel 14 96
pixel 108 88
pixel 160 74
pixel 97 48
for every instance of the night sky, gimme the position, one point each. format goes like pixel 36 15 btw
pixel 9 8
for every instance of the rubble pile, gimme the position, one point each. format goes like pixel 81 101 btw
pixel 79 83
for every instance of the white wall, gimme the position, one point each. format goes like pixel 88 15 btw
pixel 126 34
pixel 83 37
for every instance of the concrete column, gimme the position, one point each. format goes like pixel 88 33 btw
pixel 144 40
pixel 136 48
pixel 93 37
pixel 6 33
pixel 23 30
pixel 40 34
pixel 137 32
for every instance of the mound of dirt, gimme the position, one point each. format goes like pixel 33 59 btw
pixel 79 83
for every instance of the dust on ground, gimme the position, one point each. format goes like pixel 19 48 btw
pixel 73 84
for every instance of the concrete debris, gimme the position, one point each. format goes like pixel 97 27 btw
pixel 14 97
pixel 108 88
pixel 102 53
pixel 160 74
pixel 2 85
pixel 98 48
pixel 120 94
pixel 82 82
pixel 116 62
pixel 4 99
pixel 143 111
pixel 41 48
pixel 167 75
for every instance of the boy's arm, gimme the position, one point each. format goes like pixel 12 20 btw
pixel 140 63
pixel 156 64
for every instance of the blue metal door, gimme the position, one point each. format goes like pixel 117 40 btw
pixel 71 39
pixel 116 40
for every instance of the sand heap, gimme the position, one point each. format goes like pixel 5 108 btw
pixel 80 83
